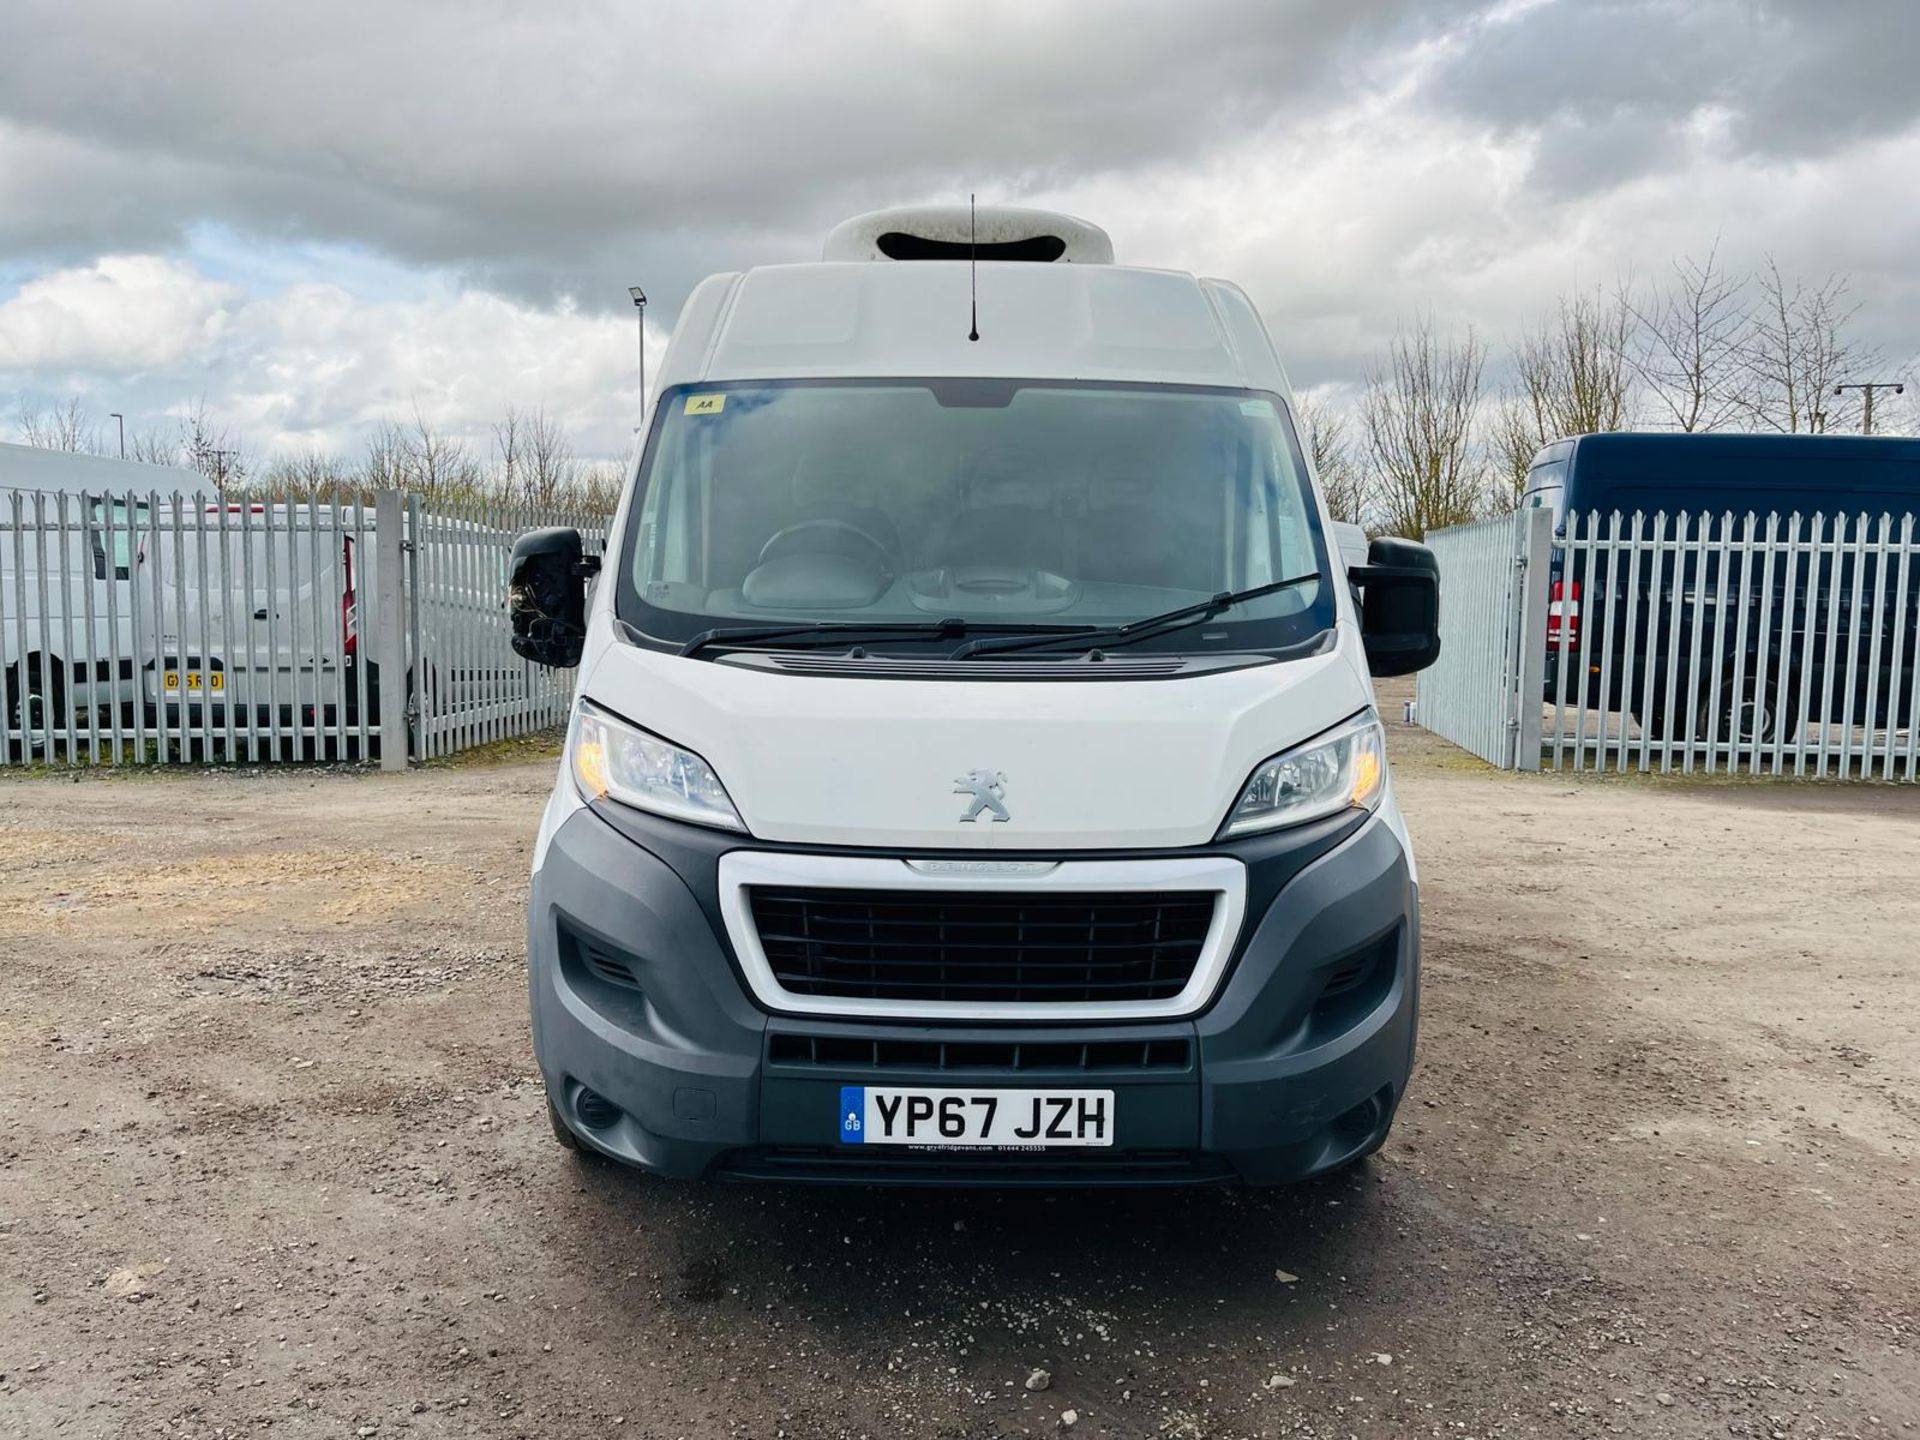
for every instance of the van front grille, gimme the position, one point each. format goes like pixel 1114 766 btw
pixel 845 1053
pixel 880 1165
pixel 986 947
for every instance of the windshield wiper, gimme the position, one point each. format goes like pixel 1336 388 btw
pixel 820 632
pixel 1135 629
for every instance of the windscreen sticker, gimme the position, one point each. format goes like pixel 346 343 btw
pixel 705 404
pixel 1261 408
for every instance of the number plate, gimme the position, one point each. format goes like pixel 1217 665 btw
pixel 192 680
pixel 969 1119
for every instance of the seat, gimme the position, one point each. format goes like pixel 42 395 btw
pixel 1006 522
pixel 1126 538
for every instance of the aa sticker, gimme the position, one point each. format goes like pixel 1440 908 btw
pixel 1261 408
pixel 705 404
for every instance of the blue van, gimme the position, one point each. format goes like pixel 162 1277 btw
pixel 1716 476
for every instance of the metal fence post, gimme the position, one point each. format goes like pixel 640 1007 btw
pixel 1536 554
pixel 390 625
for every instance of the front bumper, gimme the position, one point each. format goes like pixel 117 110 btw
pixel 655 1055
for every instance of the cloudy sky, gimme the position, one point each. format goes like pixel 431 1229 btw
pixel 316 215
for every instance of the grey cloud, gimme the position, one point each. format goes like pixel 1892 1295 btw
pixel 1577 154
pixel 1609 85
pixel 550 150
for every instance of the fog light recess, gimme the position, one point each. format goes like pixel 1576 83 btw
pixel 594 1110
pixel 1362 1120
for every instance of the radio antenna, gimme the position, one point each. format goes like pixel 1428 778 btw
pixel 973 269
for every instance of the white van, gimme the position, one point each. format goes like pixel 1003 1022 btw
pixel 259 616
pixel 974 774
pixel 75 531
pixel 256 617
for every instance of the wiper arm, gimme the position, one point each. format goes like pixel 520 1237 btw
pixel 1135 629
pixel 820 633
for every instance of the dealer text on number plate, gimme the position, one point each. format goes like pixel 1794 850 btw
pixel 1035 1119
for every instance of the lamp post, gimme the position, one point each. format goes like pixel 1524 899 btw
pixel 639 297
pixel 116 415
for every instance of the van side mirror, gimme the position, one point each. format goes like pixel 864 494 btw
pixel 547 596
pixel 1400 605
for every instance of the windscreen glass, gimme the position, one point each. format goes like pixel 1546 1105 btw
pixel 1013 504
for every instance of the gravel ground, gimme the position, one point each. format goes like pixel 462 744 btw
pixel 273 1154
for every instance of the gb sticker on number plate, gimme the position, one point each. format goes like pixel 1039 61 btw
pixel 971 1119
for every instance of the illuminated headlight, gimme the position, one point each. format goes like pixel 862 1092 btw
pixel 1346 768
pixel 612 759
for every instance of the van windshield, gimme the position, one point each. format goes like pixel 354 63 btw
pixel 1009 505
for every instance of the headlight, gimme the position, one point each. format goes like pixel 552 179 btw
pixel 1346 767
pixel 617 761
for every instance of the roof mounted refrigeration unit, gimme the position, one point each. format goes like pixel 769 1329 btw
pixel 948 232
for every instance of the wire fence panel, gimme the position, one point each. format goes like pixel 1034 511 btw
pixel 1732 644
pixel 470 688
pixel 1468 694
pixel 169 628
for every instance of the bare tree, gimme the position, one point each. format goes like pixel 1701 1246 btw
pixel 1691 351
pixel 1572 375
pixel 509 450
pixel 312 475
pixel 418 457
pixel 387 464
pixel 60 427
pixel 1905 418
pixel 597 486
pixel 1514 438
pixel 154 447
pixel 1417 418
pixel 1573 371
pixel 441 466
pixel 1330 447
pixel 1798 349
pixel 207 445
pixel 536 460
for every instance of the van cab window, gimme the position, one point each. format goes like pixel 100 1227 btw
pixel 1546 481
pixel 109 530
pixel 1006 504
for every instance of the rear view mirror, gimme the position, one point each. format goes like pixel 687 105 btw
pixel 1400 605
pixel 547 596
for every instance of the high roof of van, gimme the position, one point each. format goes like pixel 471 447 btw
pixel 1628 446
pixel 1036 321
pixel 1666 471
pixel 28 467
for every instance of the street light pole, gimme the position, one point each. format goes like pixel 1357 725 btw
pixel 639 298
pixel 1866 389
pixel 116 415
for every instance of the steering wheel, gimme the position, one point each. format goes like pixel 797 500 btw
pixel 822 534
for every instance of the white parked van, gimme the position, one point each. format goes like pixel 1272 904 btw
pixel 75 531
pixel 256 616
pixel 974 774
pixel 259 615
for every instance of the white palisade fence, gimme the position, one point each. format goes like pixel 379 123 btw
pixel 1777 645
pixel 1469 694
pixel 1716 644
pixel 474 689
pixel 158 628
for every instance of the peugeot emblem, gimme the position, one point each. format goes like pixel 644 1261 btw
pixel 988 789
